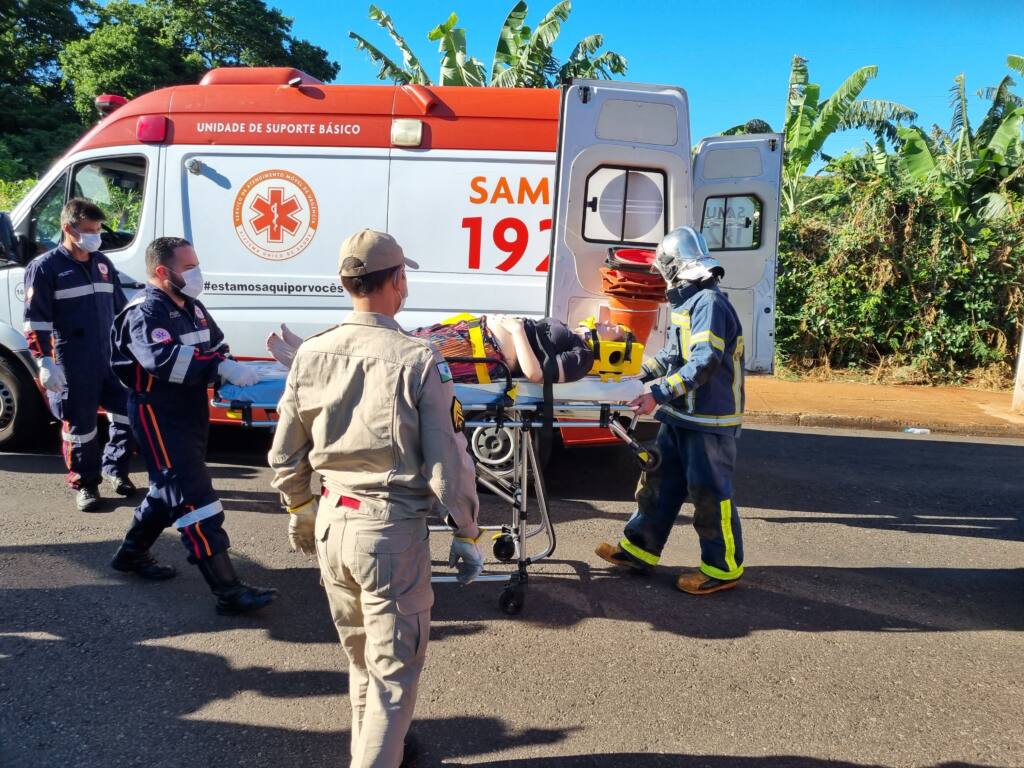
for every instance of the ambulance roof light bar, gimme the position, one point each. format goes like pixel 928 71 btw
pixel 258 76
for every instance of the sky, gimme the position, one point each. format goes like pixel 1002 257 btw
pixel 732 56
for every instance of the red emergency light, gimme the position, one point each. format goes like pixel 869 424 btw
pixel 151 128
pixel 108 102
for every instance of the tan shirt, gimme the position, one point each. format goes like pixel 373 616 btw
pixel 367 407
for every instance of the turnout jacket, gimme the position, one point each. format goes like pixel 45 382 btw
pixel 159 348
pixel 700 369
pixel 70 306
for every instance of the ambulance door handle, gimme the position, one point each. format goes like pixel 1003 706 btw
pixel 592 204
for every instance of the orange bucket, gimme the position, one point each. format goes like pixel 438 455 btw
pixel 636 314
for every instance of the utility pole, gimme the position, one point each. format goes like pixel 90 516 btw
pixel 1018 384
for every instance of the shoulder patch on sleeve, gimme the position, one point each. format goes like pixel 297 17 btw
pixel 445 371
pixel 160 336
pixel 458 416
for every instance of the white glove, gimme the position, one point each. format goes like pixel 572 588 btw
pixel 467 557
pixel 238 374
pixel 301 525
pixel 51 375
pixel 281 350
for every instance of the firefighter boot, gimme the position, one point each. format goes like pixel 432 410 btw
pixel 233 596
pixel 134 556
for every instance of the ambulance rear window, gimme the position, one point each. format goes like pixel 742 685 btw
pixel 624 206
pixel 732 223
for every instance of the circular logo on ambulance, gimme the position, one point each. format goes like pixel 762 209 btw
pixel 276 215
pixel 19 292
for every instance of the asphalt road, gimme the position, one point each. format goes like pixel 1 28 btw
pixel 880 623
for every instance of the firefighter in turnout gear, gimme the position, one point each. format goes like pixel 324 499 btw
pixel 698 392
pixel 167 350
pixel 72 296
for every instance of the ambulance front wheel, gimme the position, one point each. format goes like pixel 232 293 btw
pixel 23 417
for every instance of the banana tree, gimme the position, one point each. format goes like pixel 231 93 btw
pixel 810 121
pixel 971 172
pixel 523 57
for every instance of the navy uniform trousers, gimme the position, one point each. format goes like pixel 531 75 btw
pixel 698 465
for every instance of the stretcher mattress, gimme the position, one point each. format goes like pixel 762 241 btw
pixel 589 390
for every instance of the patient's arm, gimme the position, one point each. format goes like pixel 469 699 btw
pixel 525 355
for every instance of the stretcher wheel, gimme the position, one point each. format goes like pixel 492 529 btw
pixel 649 460
pixel 504 547
pixel 511 600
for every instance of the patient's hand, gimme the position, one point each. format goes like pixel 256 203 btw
pixel 281 350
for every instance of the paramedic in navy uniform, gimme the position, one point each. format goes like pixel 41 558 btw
pixel 72 296
pixel 167 350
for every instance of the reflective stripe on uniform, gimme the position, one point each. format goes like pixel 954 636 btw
pixel 83 290
pixel 34 325
pixel 639 554
pixel 737 375
pixel 72 293
pixel 78 439
pixel 196 336
pixel 725 508
pixel 181 364
pixel 117 418
pixel 676 382
pixel 729 420
pixel 718 573
pixel 709 337
pixel 476 339
pixel 196 515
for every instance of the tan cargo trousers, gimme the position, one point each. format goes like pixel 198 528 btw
pixel 377 577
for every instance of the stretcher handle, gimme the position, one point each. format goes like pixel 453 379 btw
pixel 490 360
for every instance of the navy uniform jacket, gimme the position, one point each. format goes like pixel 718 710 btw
pixel 701 366
pixel 70 307
pixel 165 353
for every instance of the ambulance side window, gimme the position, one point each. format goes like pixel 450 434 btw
pixel 45 216
pixel 117 185
pixel 732 223
pixel 624 206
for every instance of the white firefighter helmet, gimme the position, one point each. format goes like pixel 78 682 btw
pixel 682 257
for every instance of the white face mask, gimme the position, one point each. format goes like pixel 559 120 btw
pixel 193 282
pixel 89 241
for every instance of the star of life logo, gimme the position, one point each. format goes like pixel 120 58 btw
pixel 276 215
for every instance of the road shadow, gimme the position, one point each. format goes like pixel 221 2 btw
pixel 642 760
pixel 914 486
pixel 791 598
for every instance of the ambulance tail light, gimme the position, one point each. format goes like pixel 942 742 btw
pixel 406 132
pixel 151 128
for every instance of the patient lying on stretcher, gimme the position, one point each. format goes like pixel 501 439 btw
pixel 522 344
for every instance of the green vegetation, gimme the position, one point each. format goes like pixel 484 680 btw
pixel 523 56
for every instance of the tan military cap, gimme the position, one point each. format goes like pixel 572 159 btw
pixel 375 250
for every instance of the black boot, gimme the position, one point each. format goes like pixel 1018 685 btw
pixel 134 556
pixel 233 596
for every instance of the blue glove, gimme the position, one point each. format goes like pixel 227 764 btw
pixel 467 557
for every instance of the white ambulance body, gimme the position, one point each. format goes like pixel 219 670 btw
pixel 266 171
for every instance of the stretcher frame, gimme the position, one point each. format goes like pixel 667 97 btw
pixel 525 420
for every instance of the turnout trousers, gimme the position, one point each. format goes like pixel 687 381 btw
pixel 698 465
pixel 377 577
pixel 172 432
pixel 76 408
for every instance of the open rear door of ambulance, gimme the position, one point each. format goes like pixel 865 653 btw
pixel 736 182
pixel 623 179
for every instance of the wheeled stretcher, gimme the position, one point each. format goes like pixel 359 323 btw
pixel 521 413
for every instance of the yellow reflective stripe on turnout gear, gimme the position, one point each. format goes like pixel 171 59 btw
pixel 737 375
pixel 727 538
pixel 709 337
pixel 476 339
pixel 639 554
pixel 718 573
pixel 676 382
pixel 728 420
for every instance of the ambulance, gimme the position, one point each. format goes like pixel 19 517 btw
pixel 509 199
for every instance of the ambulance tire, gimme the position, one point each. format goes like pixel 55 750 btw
pixel 23 418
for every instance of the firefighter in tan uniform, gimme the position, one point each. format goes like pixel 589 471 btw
pixel 373 412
